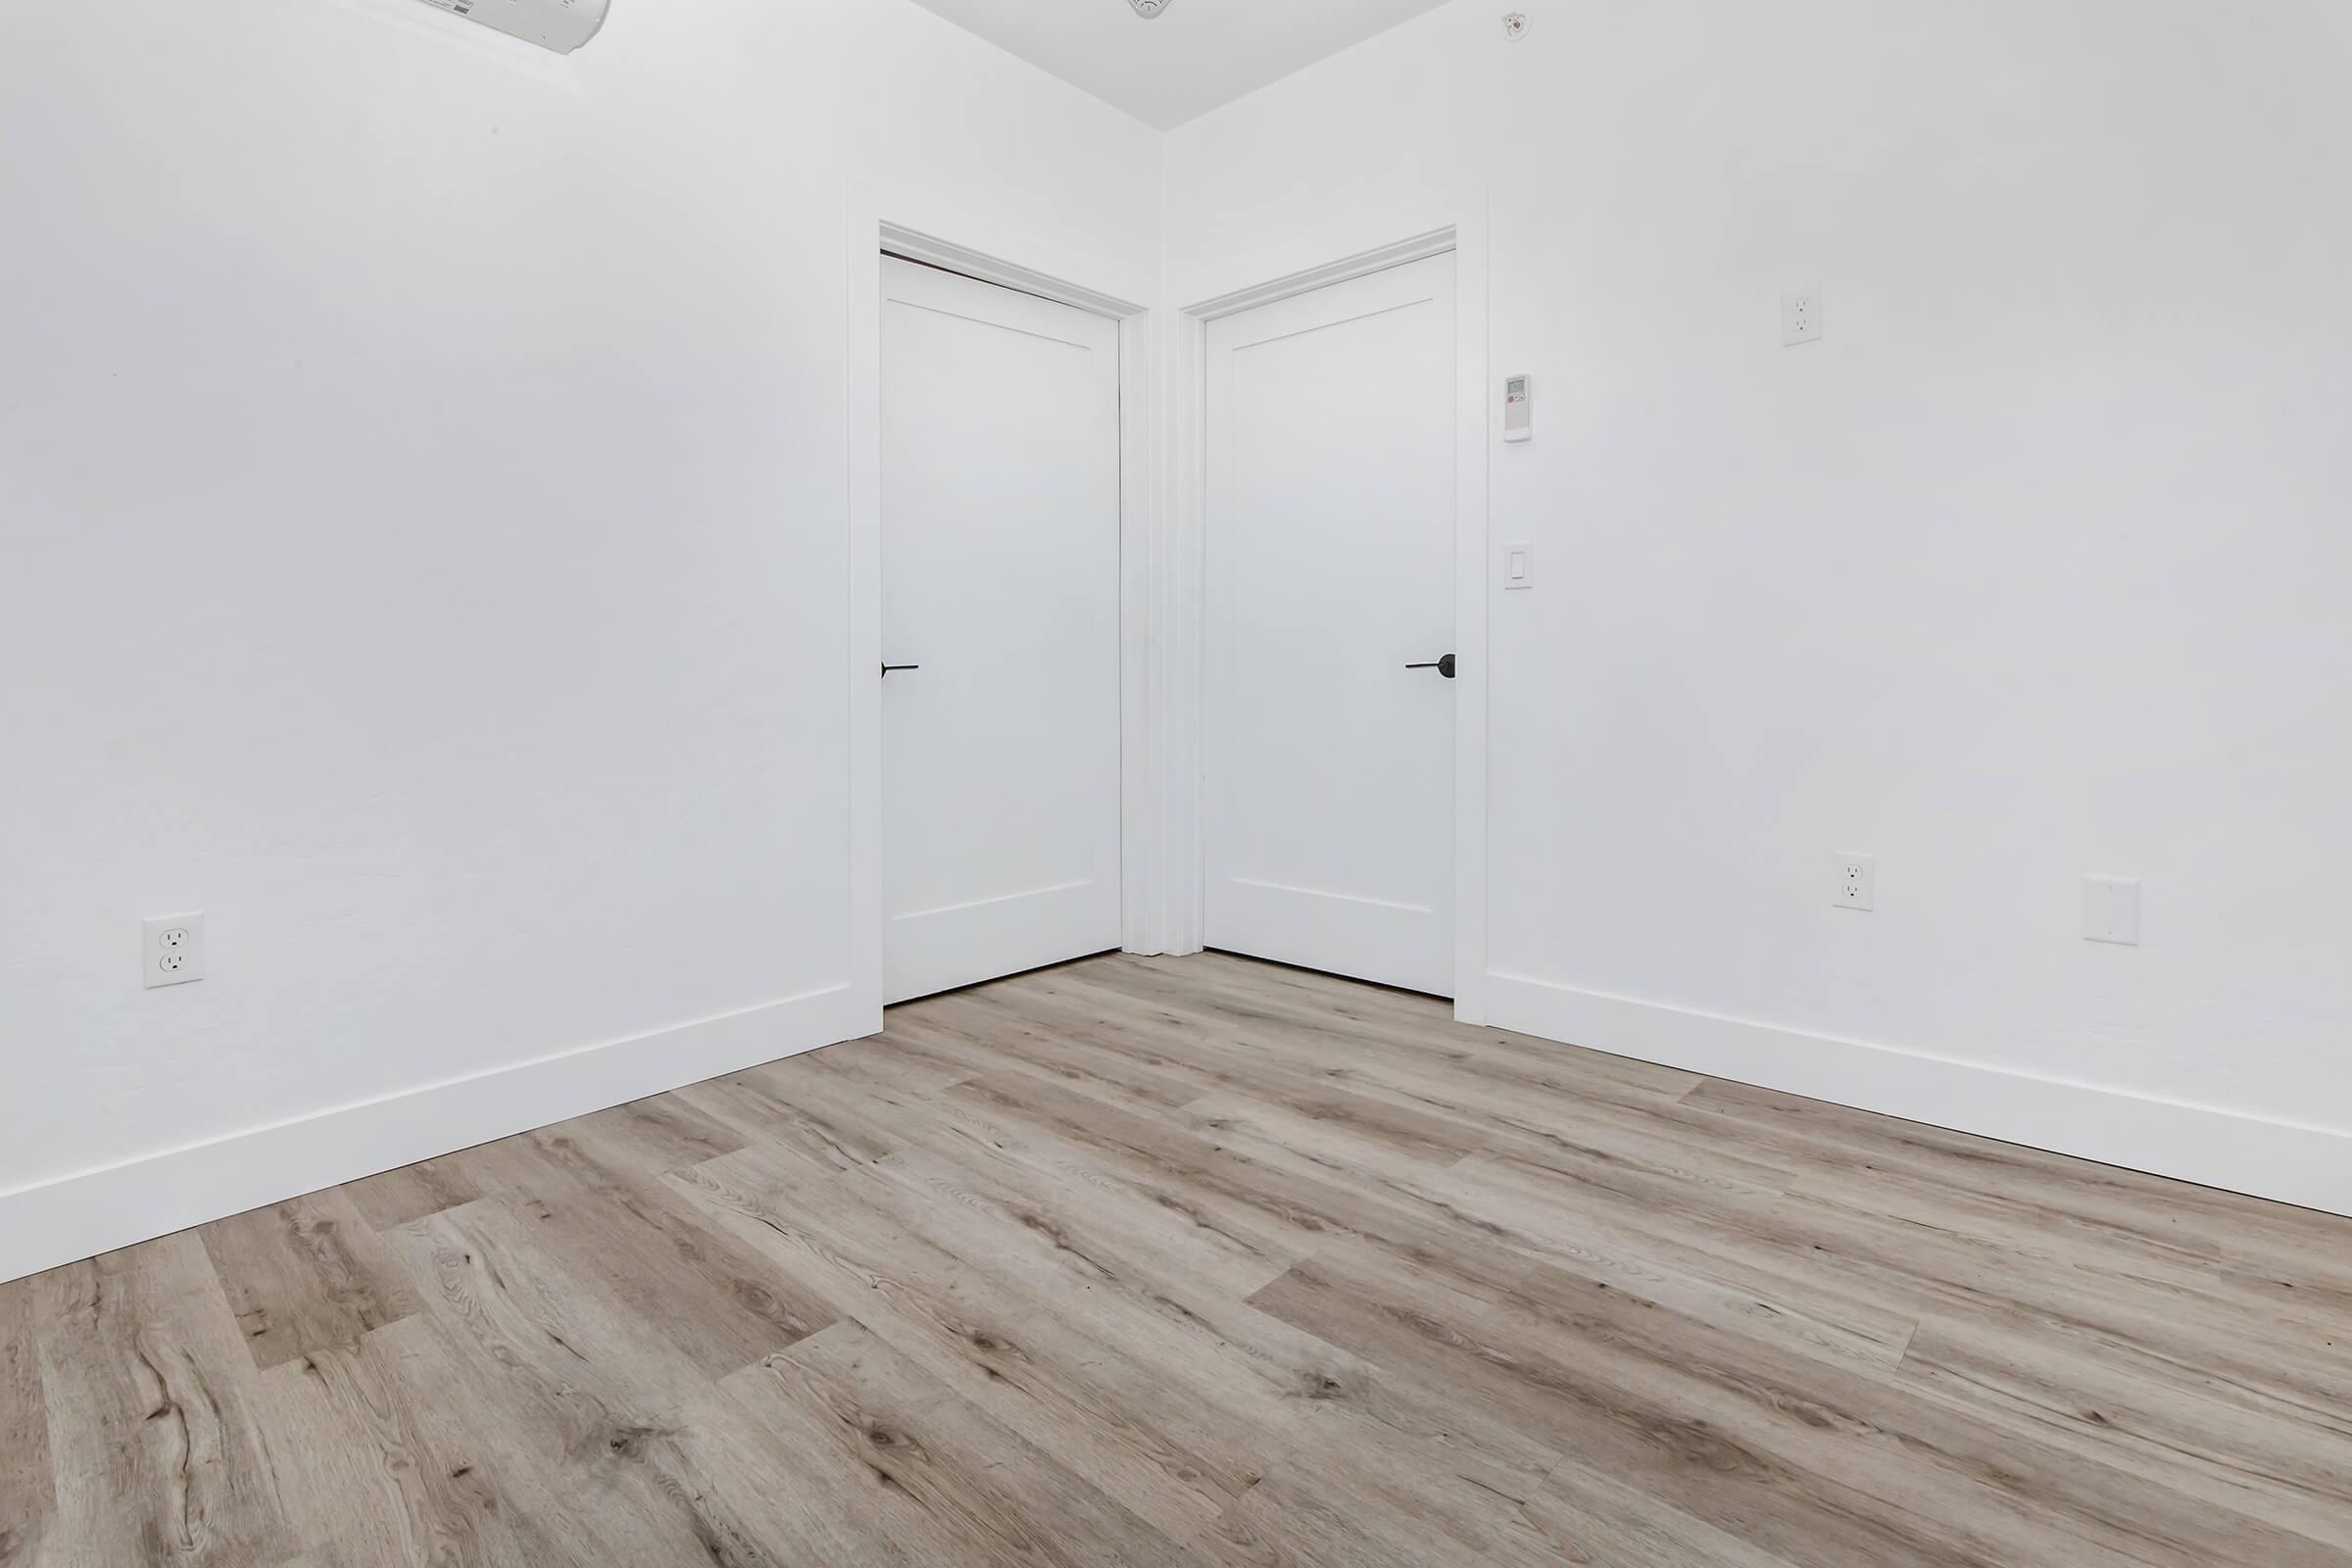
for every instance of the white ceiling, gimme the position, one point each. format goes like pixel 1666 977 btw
pixel 1193 57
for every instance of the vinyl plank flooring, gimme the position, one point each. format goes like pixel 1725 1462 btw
pixel 654 1136
pixel 524 1402
pixel 1200 1261
pixel 2202 1437
pixel 28 1475
pixel 306 1275
pixel 413 1192
pixel 1482 1349
pixel 151 1395
pixel 2041 1501
pixel 1366 1495
pixel 1645 1246
pixel 1176 1459
pixel 1263 1380
pixel 1589 1517
pixel 621 1233
pixel 788 1110
pixel 1276 1206
pixel 2279 1250
pixel 355 1469
pixel 983 1493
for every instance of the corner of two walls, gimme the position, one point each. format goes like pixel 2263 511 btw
pixel 426 551
pixel 2031 568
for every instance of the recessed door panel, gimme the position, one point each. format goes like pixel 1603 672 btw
pixel 1329 758
pixel 1001 592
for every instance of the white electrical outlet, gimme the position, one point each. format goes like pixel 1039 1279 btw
pixel 2111 911
pixel 171 948
pixel 1802 317
pixel 1854 881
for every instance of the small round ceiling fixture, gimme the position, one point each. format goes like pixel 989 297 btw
pixel 1148 8
pixel 1514 26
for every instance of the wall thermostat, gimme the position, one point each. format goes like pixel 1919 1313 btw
pixel 1518 408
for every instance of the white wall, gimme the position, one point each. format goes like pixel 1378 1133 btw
pixel 423 494
pixel 2035 566
pixel 423 486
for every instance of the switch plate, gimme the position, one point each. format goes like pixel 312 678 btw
pixel 1518 566
pixel 2111 911
pixel 1802 317
pixel 1854 881
pixel 172 948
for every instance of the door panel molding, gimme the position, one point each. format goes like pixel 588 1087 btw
pixel 880 219
pixel 1329 551
pixel 1458 222
pixel 1002 758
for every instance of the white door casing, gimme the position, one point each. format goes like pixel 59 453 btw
pixel 1328 767
pixel 1001 580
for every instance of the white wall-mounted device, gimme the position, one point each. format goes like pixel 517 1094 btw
pixel 1519 408
pixel 2111 911
pixel 172 950
pixel 558 25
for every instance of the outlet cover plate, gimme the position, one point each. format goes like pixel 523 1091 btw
pixel 1854 881
pixel 2111 911
pixel 1802 317
pixel 171 948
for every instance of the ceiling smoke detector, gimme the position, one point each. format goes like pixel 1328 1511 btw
pixel 1148 8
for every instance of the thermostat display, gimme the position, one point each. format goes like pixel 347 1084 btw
pixel 1518 408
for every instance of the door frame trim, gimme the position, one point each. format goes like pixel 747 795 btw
pixel 883 222
pixel 1457 223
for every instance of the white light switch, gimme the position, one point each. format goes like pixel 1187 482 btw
pixel 1519 565
pixel 2111 911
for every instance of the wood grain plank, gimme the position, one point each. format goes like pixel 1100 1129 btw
pixel 2282 1255
pixel 306 1275
pixel 413 1192
pixel 28 1479
pixel 1370 1489
pixel 614 1230
pixel 153 1439
pixel 1643 1243
pixel 355 1468
pixel 2202 1436
pixel 1174 1457
pixel 981 1492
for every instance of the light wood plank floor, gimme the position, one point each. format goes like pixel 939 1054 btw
pixel 1199 1262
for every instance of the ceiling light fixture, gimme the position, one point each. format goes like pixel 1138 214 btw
pixel 1148 8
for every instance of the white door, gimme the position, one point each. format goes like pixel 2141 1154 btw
pixel 1329 763
pixel 1000 589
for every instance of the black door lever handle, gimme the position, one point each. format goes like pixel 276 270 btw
pixel 1444 666
pixel 887 669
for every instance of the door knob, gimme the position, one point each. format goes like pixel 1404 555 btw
pixel 887 669
pixel 1444 666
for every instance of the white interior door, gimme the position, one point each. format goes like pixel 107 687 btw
pixel 1328 762
pixel 1001 588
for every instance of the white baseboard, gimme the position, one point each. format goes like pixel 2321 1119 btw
pixel 94 1211
pixel 2291 1162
